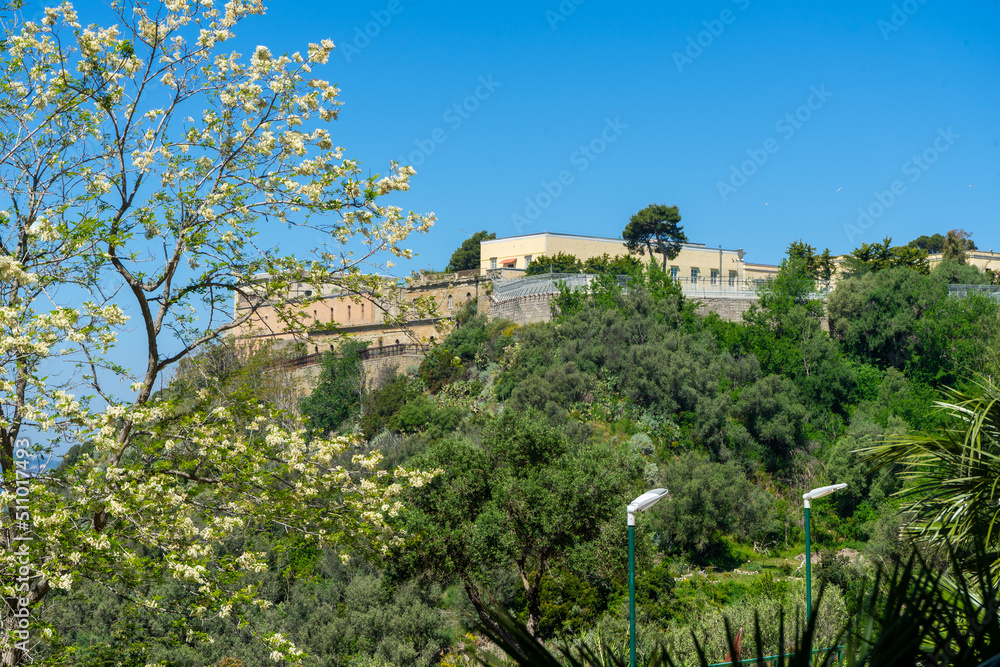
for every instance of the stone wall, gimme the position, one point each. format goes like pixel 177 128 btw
pixel 730 309
pixel 537 308
pixel 376 367
pixel 303 372
pixel 524 309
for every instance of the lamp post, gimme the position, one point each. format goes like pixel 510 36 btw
pixel 643 502
pixel 807 498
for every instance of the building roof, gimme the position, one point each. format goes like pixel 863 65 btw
pixel 580 237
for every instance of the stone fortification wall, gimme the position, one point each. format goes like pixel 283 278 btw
pixel 537 308
pixel 303 371
pixel 728 308
pixel 378 367
pixel 523 310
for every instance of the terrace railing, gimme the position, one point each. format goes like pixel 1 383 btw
pixel 966 290
pixel 507 288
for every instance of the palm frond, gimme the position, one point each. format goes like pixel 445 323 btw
pixel 952 475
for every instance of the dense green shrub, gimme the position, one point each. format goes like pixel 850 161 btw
pixel 381 406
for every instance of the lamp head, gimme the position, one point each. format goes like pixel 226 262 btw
pixel 645 501
pixel 822 491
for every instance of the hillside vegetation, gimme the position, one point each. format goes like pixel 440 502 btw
pixel 542 433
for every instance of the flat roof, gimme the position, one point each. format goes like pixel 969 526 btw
pixel 692 246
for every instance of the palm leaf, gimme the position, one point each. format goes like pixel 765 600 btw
pixel 952 475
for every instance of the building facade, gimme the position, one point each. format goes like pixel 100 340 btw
pixel 986 260
pixel 415 313
pixel 696 265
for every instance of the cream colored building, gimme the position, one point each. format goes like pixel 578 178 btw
pixel 696 265
pixel 984 259
pixel 416 313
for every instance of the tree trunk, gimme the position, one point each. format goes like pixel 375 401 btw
pixel 490 624
pixel 17 652
pixel 532 591
pixel 534 612
pixel 11 655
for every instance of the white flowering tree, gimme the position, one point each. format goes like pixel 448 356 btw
pixel 139 163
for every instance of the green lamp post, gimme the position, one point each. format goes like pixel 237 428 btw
pixel 643 502
pixel 807 498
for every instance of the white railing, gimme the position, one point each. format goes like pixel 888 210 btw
pixel 505 289
pixel 966 290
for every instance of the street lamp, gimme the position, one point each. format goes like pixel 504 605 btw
pixel 643 502
pixel 807 498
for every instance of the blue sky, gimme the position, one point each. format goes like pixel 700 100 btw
pixel 764 122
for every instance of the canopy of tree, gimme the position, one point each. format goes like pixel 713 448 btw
pixel 932 244
pixel 956 244
pixel 466 256
pixel 905 319
pixel 819 266
pixel 878 256
pixel 566 263
pixel 655 228
pixel 155 221
pixel 339 390
pixel 525 497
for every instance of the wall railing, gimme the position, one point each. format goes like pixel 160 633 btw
pixel 505 289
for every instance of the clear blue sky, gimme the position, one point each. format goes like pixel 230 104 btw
pixel 683 94
pixel 764 122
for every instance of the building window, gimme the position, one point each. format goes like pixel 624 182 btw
pixel 694 277
pixel 527 260
pixel 309 292
pixel 732 278
pixel 715 276
pixel 673 272
pixel 493 262
pixel 451 302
